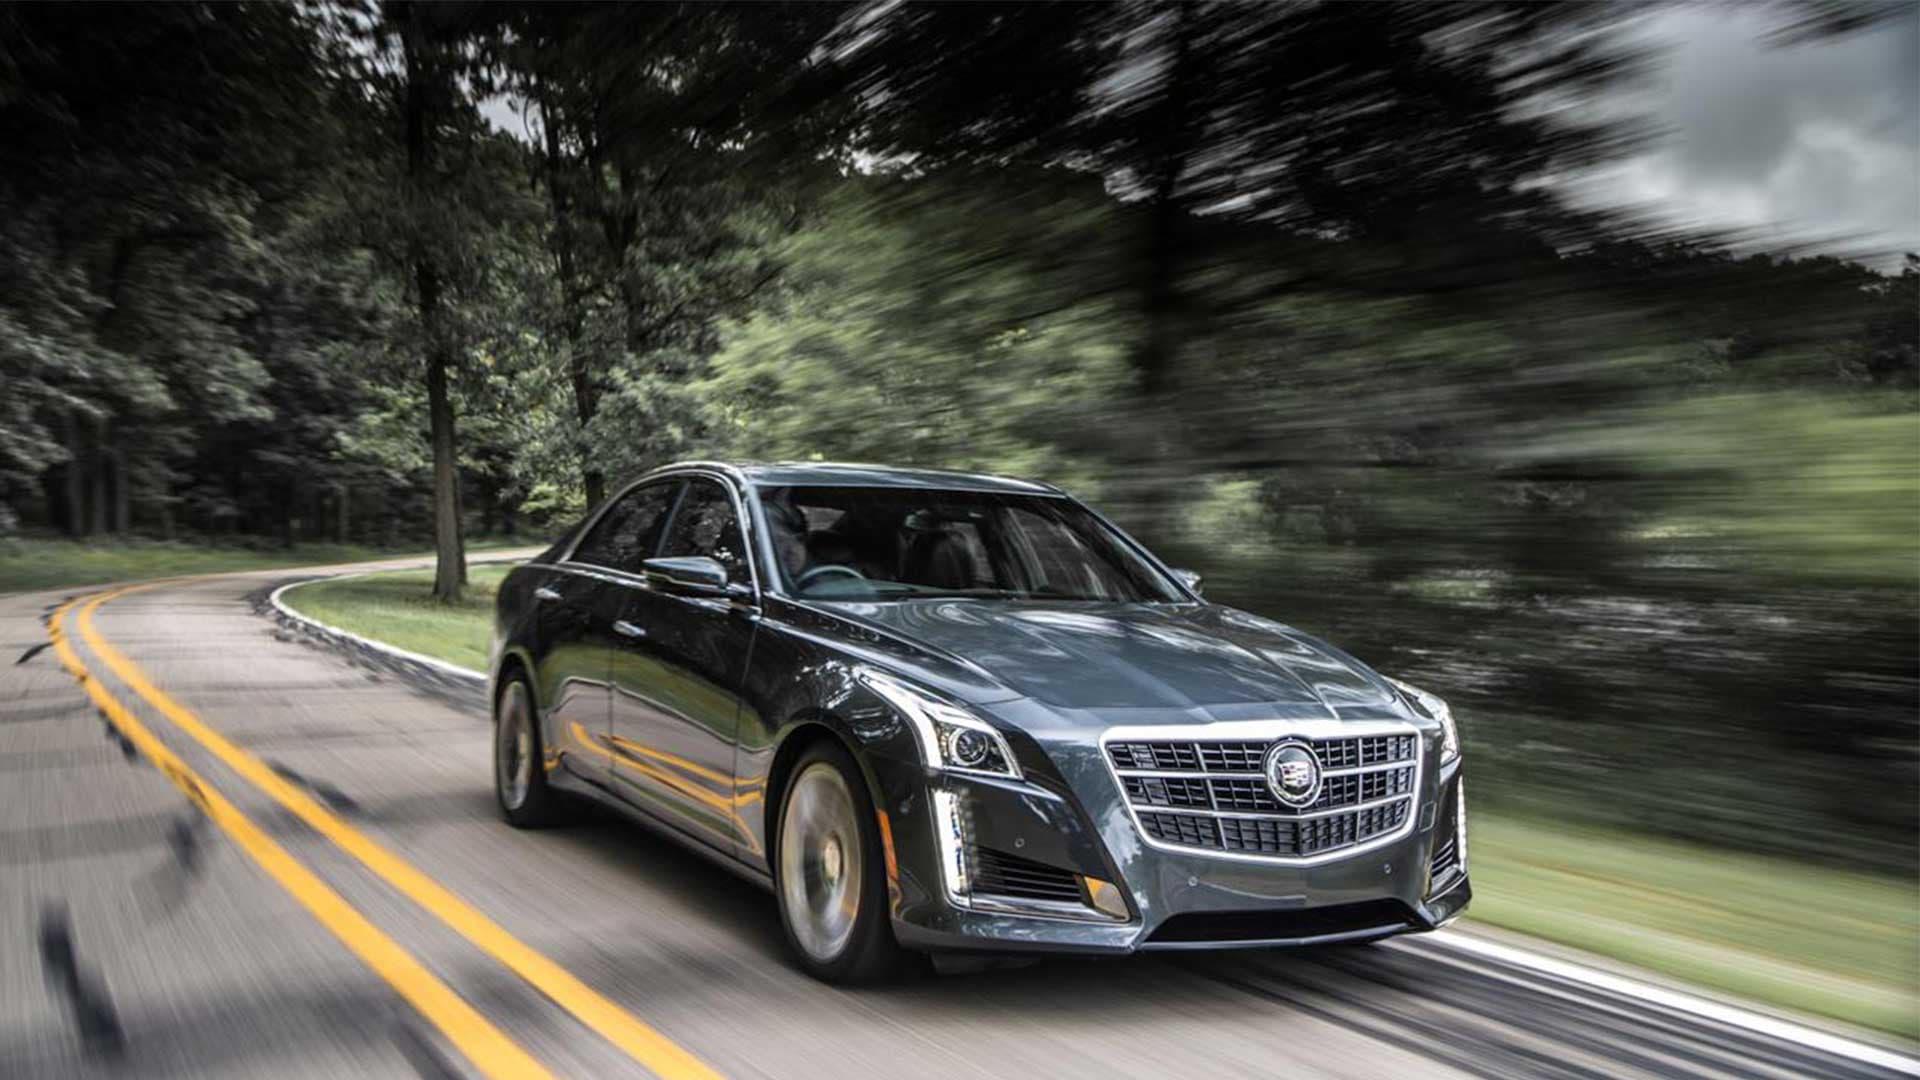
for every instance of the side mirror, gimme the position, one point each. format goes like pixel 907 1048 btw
pixel 688 573
pixel 1189 578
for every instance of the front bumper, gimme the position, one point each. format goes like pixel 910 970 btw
pixel 1176 900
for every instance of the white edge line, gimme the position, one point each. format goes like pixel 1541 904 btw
pixel 442 666
pixel 1680 1001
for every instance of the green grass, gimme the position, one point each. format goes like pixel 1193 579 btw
pixel 1778 931
pixel 35 563
pixel 396 608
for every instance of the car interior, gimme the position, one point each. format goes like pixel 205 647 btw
pixel 867 543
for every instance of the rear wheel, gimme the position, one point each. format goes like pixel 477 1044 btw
pixel 519 775
pixel 829 873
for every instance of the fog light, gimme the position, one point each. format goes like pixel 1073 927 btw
pixel 1104 897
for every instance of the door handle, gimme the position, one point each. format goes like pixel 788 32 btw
pixel 627 629
pixel 544 593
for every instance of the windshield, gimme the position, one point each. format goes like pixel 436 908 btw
pixel 877 543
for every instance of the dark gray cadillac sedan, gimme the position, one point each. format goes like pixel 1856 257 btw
pixel 948 713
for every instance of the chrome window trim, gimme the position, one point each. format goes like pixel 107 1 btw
pixel 1268 731
pixel 730 481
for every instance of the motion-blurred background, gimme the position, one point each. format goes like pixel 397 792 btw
pixel 1561 359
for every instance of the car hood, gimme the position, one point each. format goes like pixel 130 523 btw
pixel 1198 659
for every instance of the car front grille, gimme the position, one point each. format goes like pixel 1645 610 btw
pixel 1211 795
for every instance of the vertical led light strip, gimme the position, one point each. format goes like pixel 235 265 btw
pixel 1460 822
pixel 952 840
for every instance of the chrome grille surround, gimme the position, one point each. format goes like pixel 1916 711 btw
pixel 1201 789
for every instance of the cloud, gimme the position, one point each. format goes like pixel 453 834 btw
pixel 1815 144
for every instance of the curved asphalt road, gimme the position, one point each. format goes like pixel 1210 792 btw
pixel 137 938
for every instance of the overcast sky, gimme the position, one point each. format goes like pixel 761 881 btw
pixel 1813 143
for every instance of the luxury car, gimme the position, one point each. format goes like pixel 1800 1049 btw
pixel 957 714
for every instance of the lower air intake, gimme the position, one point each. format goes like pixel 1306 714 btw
pixel 997 873
pixel 1222 927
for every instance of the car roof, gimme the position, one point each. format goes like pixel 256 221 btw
pixel 846 474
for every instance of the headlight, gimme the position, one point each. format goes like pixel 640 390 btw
pixel 950 737
pixel 1436 708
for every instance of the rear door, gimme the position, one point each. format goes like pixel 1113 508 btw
pixel 581 606
pixel 676 689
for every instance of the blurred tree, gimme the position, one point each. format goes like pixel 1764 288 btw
pixel 150 172
pixel 429 52
pixel 674 144
pixel 1414 128
pixel 1665 559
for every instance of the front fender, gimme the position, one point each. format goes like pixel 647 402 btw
pixel 819 697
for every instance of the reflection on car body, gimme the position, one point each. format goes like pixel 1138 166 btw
pixel 947 712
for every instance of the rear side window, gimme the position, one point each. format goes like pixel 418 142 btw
pixel 706 525
pixel 626 535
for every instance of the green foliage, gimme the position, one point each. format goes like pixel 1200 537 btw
pixel 966 321
pixel 1794 486
pixel 1714 918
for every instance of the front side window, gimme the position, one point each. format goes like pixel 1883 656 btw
pixel 879 543
pixel 627 533
pixel 705 524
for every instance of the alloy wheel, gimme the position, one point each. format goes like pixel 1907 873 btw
pixel 821 862
pixel 513 746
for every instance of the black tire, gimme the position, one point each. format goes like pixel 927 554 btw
pixel 525 800
pixel 868 953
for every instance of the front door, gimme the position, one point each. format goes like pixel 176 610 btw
pixel 576 647
pixel 583 601
pixel 676 684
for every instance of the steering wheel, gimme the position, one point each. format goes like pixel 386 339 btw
pixel 807 578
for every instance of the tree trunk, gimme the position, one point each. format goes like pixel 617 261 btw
pixel 76 488
pixel 290 513
pixel 97 466
pixel 586 398
pixel 460 534
pixel 449 568
pixel 593 478
pixel 122 493
pixel 342 507
pixel 1156 476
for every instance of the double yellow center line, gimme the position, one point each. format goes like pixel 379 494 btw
pixel 490 1050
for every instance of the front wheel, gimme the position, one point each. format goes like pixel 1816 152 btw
pixel 828 873
pixel 519 778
